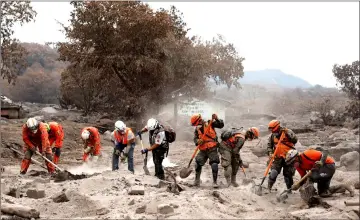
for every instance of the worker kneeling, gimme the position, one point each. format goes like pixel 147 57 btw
pixel 56 135
pixel 124 139
pixel 232 142
pixel 35 135
pixel 92 145
pixel 322 169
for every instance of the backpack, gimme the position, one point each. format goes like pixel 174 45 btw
pixel 170 134
pixel 225 135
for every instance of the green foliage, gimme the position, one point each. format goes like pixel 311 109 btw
pixel 138 57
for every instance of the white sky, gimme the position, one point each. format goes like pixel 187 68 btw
pixel 303 39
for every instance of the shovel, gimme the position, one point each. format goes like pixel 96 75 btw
pixel 186 171
pixel 32 160
pixel 146 170
pixel 284 195
pixel 258 188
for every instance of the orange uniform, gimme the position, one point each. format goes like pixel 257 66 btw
pixel 209 139
pixel 93 142
pixel 56 135
pixel 308 159
pixel 39 140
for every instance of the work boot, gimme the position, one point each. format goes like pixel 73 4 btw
pixel 197 179
pixel 228 181
pixel 215 185
pixel 233 181
pixel 325 194
pixel 270 185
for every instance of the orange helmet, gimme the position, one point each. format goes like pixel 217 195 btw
pixel 195 119
pixel 274 125
pixel 255 132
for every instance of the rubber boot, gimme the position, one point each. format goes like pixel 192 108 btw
pixel 215 170
pixel 25 163
pixel 227 174
pixel 270 185
pixel 233 181
pixel 197 175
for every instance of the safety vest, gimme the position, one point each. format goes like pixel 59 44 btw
pixel 209 138
pixel 122 138
pixel 231 141
pixel 284 146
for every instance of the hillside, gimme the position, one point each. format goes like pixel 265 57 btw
pixel 274 76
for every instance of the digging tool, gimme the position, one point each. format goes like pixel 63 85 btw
pixel 146 170
pixel 32 160
pixel 186 171
pixel 284 195
pixel 243 169
pixel 258 188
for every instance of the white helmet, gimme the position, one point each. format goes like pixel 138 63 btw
pixel 85 134
pixel 32 124
pixel 290 156
pixel 152 124
pixel 120 126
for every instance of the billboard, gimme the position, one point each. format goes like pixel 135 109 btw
pixel 206 109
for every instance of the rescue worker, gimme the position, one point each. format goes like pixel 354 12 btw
pixel 124 139
pixel 35 136
pixel 322 168
pixel 159 145
pixel 92 145
pixel 56 135
pixel 288 143
pixel 205 138
pixel 232 142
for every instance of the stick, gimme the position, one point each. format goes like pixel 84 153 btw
pixel 348 203
pixel 32 160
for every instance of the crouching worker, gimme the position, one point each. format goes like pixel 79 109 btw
pixel 35 136
pixel 92 145
pixel 56 135
pixel 205 138
pixel 124 139
pixel 322 169
pixel 232 142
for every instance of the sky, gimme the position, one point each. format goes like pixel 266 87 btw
pixel 304 39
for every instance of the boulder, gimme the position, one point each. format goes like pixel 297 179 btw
pixel 137 190
pixel 35 193
pixel 343 148
pixel 350 161
pixel 165 209
pixel 60 197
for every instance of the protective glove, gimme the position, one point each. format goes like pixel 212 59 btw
pixel 319 163
pixel 214 116
pixel 87 150
pixel 200 142
pixel 139 134
pixel 144 151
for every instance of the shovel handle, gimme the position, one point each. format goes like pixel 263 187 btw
pixel 274 154
pixel 243 169
pixel 49 161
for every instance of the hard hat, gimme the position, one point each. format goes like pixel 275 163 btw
pixel 152 124
pixel 274 125
pixel 32 124
pixel 85 134
pixel 195 119
pixel 120 126
pixel 290 156
pixel 255 131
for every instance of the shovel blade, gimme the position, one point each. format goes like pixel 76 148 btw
pixel 185 172
pixel 258 190
pixel 146 170
pixel 282 196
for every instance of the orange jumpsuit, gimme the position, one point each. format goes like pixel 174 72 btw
pixel 32 141
pixel 56 135
pixel 93 142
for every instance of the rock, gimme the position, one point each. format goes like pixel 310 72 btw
pixel 60 197
pixel 102 211
pixel 249 157
pixel 137 190
pixel 132 202
pixel 140 209
pixel 175 206
pixel 350 161
pixel 343 148
pixel 259 209
pixel 259 151
pixel 165 209
pixel 35 193
pixel 14 192
pixel 357 185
